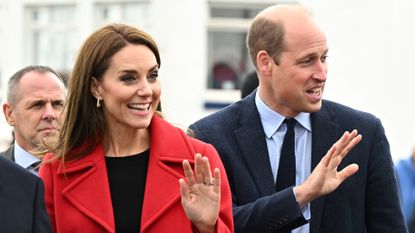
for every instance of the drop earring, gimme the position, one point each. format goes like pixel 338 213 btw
pixel 98 102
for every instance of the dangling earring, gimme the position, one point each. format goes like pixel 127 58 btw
pixel 98 102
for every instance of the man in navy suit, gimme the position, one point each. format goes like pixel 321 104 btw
pixel 289 52
pixel 22 205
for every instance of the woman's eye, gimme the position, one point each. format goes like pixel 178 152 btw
pixel 153 76
pixel 127 78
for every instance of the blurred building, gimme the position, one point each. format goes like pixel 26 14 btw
pixel 204 57
pixel 202 43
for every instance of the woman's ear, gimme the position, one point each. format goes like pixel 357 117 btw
pixel 95 88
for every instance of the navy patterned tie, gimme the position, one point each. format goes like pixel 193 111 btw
pixel 286 168
pixel 35 166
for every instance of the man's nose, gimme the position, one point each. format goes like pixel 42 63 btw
pixel 49 112
pixel 320 72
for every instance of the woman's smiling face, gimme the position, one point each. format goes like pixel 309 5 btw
pixel 129 89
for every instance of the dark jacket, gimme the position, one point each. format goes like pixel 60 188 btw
pixel 22 206
pixel 366 202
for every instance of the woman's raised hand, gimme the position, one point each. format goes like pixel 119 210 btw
pixel 200 193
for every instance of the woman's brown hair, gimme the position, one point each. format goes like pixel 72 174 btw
pixel 84 124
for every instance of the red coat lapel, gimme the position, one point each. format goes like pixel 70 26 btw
pixel 169 146
pixel 90 173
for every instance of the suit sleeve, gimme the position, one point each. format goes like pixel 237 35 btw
pixel 383 213
pixel 225 219
pixel 41 223
pixel 277 213
pixel 45 172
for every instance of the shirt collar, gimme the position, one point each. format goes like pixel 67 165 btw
pixel 271 120
pixel 22 157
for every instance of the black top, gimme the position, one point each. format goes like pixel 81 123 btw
pixel 127 181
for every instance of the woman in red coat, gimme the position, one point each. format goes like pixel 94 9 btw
pixel 120 167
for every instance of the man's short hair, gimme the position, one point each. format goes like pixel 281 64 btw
pixel 268 35
pixel 12 92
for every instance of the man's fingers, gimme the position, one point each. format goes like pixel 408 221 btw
pixel 354 141
pixel 348 171
pixel 344 140
pixel 327 158
pixel 347 142
pixel 335 149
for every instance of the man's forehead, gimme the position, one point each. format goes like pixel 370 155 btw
pixel 36 75
pixel 42 82
pixel 40 96
pixel 305 36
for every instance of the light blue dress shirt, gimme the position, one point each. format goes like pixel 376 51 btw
pixel 24 158
pixel 272 122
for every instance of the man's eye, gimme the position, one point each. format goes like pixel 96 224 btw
pixel 58 105
pixel 306 61
pixel 37 105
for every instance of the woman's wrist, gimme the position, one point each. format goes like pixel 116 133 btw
pixel 205 228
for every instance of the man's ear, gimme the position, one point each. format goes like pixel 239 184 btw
pixel 9 114
pixel 264 63
pixel 95 88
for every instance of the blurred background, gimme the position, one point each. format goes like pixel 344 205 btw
pixel 205 60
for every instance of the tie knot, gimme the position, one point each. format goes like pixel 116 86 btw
pixel 290 123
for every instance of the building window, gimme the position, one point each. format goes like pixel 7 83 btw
pixel 2 54
pixel 228 58
pixel 51 38
pixel 131 12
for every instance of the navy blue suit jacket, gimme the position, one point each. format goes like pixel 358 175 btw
pixel 366 202
pixel 22 201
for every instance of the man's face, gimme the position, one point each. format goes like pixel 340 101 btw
pixel 297 82
pixel 36 111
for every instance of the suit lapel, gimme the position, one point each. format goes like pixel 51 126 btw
pixel 169 146
pixel 254 153
pixel 325 132
pixel 96 205
pixel 9 153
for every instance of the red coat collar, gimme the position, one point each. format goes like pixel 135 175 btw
pixel 169 146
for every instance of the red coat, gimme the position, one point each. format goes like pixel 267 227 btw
pixel 80 200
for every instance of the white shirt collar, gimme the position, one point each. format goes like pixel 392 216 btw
pixel 22 157
pixel 271 120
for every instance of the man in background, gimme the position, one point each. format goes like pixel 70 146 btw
pixel 405 172
pixel 267 172
pixel 35 99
